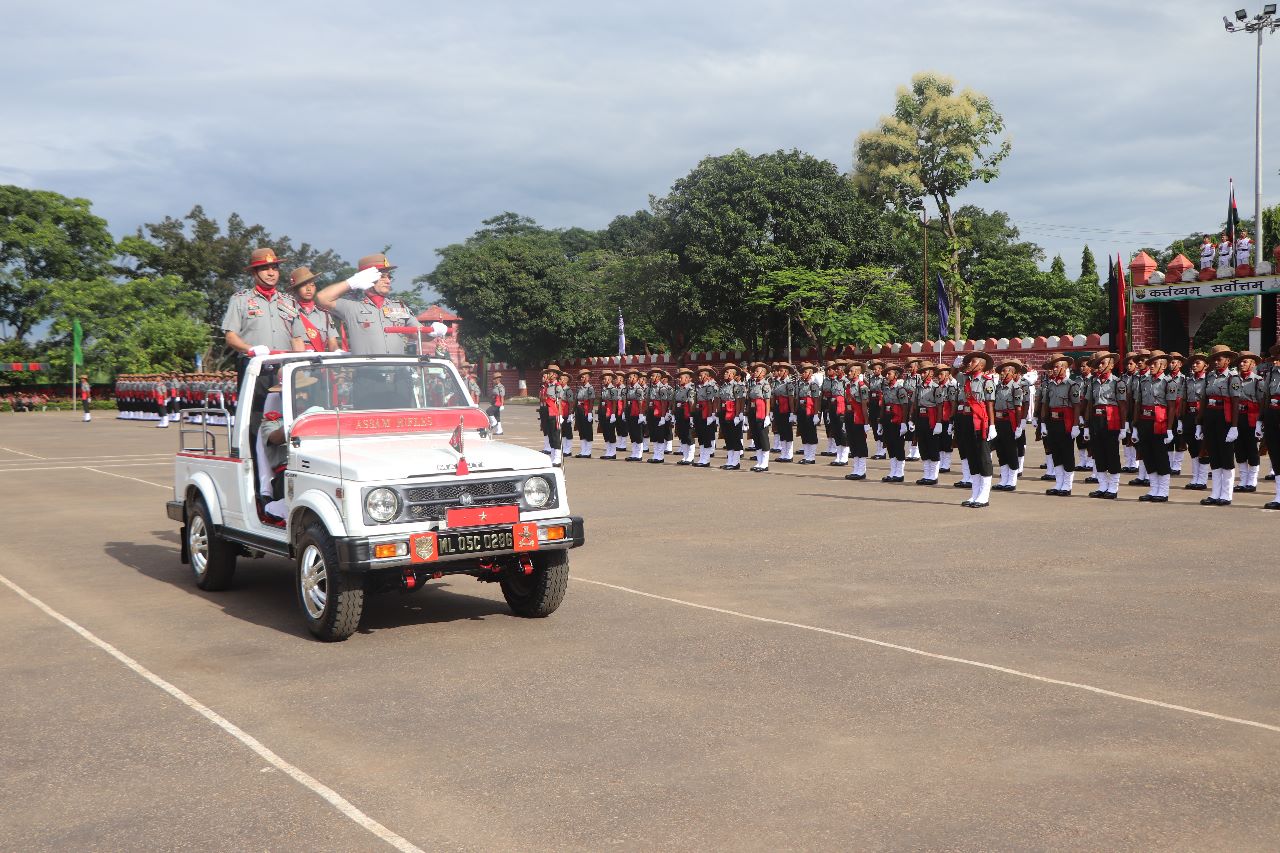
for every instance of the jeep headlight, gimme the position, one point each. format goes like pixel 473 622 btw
pixel 537 491
pixel 382 505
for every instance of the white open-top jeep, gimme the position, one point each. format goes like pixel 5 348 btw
pixel 391 478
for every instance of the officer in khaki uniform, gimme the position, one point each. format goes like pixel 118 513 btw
pixel 366 308
pixel 258 319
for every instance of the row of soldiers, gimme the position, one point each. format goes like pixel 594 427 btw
pixel 165 397
pixel 1089 413
pixel 1226 253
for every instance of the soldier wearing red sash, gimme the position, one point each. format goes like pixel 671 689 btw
pixel 313 329
pixel 975 424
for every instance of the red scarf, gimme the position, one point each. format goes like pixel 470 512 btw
pixel 265 294
pixel 376 298
pixel 307 306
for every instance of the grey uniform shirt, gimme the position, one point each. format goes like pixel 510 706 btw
pixel 323 323
pixel 259 321
pixel 365 322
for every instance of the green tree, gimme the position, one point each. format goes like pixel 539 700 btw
pixel 44 237
pixel 135 326
pixel 1088 268
pixel 1014 298
pixel 934 145
pixel 836 306
pixel 736 218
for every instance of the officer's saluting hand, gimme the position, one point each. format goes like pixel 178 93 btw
pixel 366 308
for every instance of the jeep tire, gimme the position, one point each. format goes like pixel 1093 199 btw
pixel 330 604
pixel 213 559
pixel 539 594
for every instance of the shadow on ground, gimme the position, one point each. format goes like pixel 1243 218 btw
pixel 262 592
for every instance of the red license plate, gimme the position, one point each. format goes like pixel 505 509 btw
pixel 480 516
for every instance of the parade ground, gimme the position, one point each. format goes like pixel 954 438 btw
pixel 744 661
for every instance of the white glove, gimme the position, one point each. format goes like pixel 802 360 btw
pixel 937 429
pixel 1124 432
pixel 1075 433
pixel 1179 429
pixel 502 407
pixel 1199 433
pixel 438 330
pixel 740 420
pixel 911 426
pixel 1232 435
pixel 1168 438
pixel 1034 421
pixel 1044 430
pixel 364 279
pixel 868 428
pixel 1257 431
pixel 792 419
pixel 640 419
pixel 951 430
pixel 713 420
pixel 1086 433
pixel 613 419
pixel 879 432
pixel 590 417
pixel 991 433
pixel 768 421
pixel 258 351
pixel 902 429
pixel 1017 432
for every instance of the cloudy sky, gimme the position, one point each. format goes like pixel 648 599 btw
pixel 355 125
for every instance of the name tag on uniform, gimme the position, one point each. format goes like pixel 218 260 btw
pixel 1148 412
pixel 1057 416
pixel 255 312
pixel 1213 404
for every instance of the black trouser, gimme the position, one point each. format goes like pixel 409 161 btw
pixel 566 428
pixel 1214 427
pixel 1154 452
pixel 836 429
pixel 659 433
pixel 978 449
pixel 586 428
pixel 1246 442
pixel 1006 444
pixel 731 433
pixel 1058 444
pixel 856 435
pixel 608 429
pixel 1104 445
pixel 783 427
pixel 1271 433
pixel 551 429
pixel 684 429
pixel 894 441
pixel 807 428
pixel 962 437
pixel 925 439
pixel 759 432
pixel 706 431
pixel 495 413
pixel 828 419
pixel 635 429
pixel 1188 441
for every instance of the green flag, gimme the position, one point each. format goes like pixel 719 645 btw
pixel 77 355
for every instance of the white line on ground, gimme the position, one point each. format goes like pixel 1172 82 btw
pixel 20 453
pixel 311 783
pixel 84 467
pixel 94 458
pixel 948 658
pixel 135 479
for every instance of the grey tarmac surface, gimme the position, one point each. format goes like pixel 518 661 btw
pixel 639 722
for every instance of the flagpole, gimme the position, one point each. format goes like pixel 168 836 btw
pixel 924 226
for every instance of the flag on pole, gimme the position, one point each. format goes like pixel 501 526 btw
pixel 1117 303
pixel 455 442
pixel 1233 215
pixel 77 337
pixel 944 308
pixel 622 335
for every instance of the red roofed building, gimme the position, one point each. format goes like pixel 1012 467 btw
pixel 448 345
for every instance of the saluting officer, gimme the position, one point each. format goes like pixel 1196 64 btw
pixel 366 308
pixel 257 320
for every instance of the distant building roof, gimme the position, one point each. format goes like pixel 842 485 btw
pixel 436 314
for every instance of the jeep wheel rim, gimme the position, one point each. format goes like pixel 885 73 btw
pixel 198 545
pixel 314 579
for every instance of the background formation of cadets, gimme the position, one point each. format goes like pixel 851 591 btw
pixel 1104 415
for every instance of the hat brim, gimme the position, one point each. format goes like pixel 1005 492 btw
pixel 295 284
pixel 254 266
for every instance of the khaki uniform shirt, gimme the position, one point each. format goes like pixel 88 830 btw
pixel 259 321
